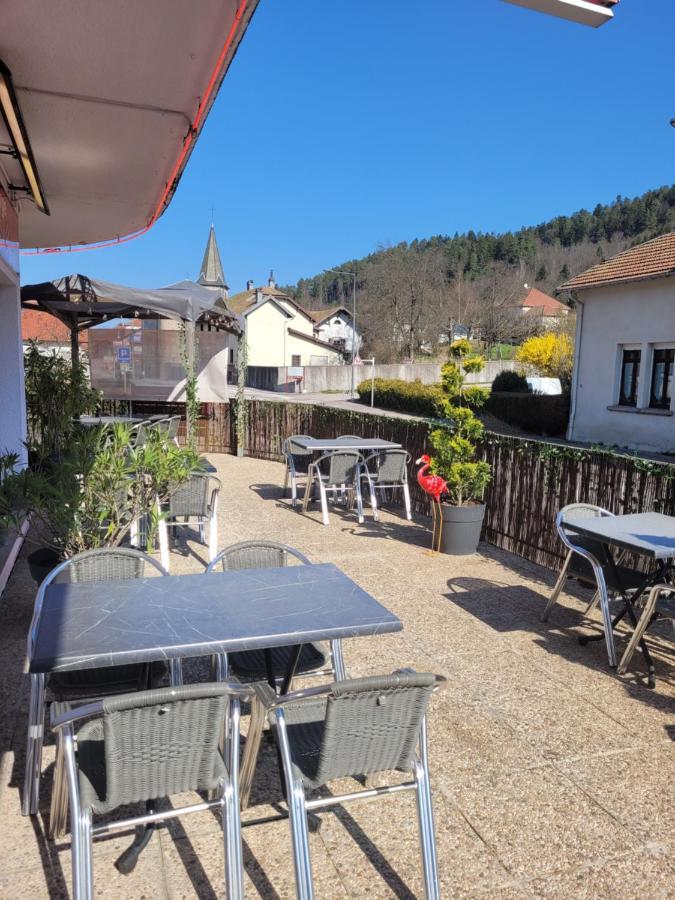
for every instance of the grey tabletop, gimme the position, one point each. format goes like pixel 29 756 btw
pixel 345 443
pixel 87 626
pixel 651 534
pixel 93 421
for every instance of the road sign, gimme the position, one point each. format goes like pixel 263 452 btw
pixel 123 354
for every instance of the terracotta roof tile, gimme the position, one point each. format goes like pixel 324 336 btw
pixel 653 259
pixel 540 304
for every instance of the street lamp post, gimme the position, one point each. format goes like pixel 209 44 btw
pixel 353 276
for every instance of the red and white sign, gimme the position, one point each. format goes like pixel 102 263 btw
pixel 9 232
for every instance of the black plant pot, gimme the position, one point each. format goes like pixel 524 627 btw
pixel 41 562
pixel 461 528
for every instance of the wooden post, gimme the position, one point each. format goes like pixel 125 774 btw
pixel 74 343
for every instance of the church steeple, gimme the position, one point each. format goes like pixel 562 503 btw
pixel 211 273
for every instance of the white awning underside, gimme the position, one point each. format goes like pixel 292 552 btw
pixel 108 92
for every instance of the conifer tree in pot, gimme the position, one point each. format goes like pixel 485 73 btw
pixel 454 445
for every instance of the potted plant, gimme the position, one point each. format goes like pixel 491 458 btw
pixel 454 445
pixel 92 495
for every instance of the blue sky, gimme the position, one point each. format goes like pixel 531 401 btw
pixel 345 124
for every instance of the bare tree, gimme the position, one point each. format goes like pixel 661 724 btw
pixel 500 317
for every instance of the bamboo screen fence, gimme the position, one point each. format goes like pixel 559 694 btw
pixel 531 480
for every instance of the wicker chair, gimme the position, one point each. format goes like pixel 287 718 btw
pixel 139 433
pixel 142 747
pixel 161 426
pixel 660 604
pixel 172 431
pixel 588 560
pixel 197 499
pixel 251 665
pixel 297 461
pixel 353 729
pixel 387 470
pixel 95 566
pixel 338 471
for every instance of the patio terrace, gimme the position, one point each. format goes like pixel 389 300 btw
pixel 551 776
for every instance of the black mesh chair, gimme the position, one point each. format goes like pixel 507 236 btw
pixel 354 728
pixel 297 461
pixel 659 604
pixel 589 561
pixel 95 566
pixel 142 747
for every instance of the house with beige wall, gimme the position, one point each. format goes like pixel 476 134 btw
pixel 279 332
pixel 624 358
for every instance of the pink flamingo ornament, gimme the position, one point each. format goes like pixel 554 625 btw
pixel 435 487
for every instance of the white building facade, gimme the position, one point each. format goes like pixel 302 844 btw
pixel 622 386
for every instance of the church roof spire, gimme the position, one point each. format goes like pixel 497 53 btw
pixel 211 273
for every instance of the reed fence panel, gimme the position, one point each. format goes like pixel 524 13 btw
pixel 531 480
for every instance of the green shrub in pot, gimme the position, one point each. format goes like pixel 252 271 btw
pixel 454 457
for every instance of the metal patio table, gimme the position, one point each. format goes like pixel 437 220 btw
pixel 100 421
pixel 88 626
pixel 323 445
pixel 648 534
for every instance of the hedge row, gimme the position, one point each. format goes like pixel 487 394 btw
pixel 417 398
pixel 535 413
pixel 404 396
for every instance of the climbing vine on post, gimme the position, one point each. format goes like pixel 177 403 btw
pixel 188 353
pixel 242 407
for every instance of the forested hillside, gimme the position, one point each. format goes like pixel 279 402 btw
pixel 411 293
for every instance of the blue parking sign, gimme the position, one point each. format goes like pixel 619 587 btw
pixel 124 354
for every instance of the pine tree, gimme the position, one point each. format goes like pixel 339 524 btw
pixel 565 272
pixel 542 274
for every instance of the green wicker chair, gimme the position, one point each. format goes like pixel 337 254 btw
pixel 95 566
pixel 251 665
pixel 297 461
pixel 387 470
pixel 352 729
pixel 195 501
pixel 338 471
pixel 142 747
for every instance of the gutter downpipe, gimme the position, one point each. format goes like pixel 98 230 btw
pixel 575 369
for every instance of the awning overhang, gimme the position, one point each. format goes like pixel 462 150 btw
pixel 113 97
pixel 83 302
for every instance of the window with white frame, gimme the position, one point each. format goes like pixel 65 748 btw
pixel 663 361
pixel 629 377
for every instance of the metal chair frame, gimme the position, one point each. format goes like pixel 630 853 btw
pixel 167 521
pixel 563 576
pixel 299 806
pixel 602 593
pixel 220 663
pixel 39 680
pixel 329 481
pixel 650 612
pixel 291 465
pixel 172 432
pixel 66 793
pixel 372 479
